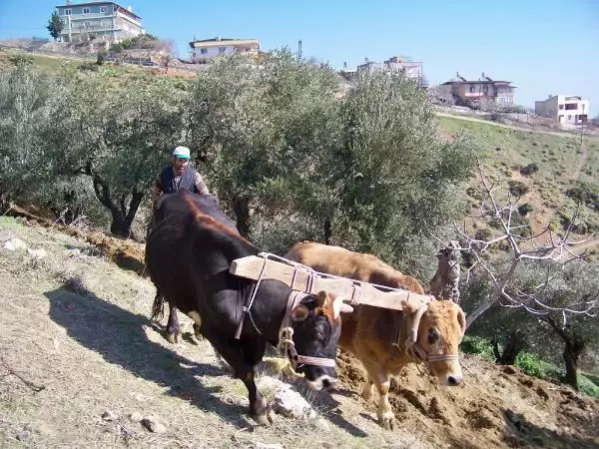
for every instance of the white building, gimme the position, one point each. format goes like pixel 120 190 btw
pixel 205 50
pixel 567 109
pixel 412 69
pixel 104 20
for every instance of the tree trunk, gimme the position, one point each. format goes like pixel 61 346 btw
pixel 572 351
pixel 328 233
pixel 122 217
pixel 515 345
pixel 241 207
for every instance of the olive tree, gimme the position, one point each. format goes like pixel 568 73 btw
pixel 257 125
pixel 27 105
pixel 391 176
pixel 116 133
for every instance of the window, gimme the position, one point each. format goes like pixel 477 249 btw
pixel 103 9
pixel 203 51
pixel 67 12
pixel 221 50
pixel 85 10
pixel 472 87
pixel 86 24
pixel 561 106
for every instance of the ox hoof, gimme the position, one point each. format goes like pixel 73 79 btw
pixel 265 418
pixel 173 337
pixel 387 420
pixel 197 333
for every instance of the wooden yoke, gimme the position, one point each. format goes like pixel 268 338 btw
pixel 303 278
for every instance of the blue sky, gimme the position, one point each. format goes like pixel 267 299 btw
pixel 542 46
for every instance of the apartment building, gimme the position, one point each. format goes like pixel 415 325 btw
pixel 101 20
pixel 412 69
pixel 567 109
pixel 204 51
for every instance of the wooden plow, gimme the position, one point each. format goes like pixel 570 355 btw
pixel 303 278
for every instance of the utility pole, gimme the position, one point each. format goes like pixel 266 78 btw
pixel 299 50
pixel 581 125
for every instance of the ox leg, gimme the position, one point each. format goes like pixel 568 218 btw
pixel 243 366
pixel 382 383
pixel 173 329
pixel 367 389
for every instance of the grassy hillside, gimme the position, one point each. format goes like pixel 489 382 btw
pixel 561 162
pixel 77 325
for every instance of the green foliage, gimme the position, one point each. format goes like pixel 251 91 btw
pixel 477 346
pixel 20 59
pixel 55 25
pixel 518 188
pixel 27 104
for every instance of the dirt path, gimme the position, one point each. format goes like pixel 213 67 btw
pixel 502 125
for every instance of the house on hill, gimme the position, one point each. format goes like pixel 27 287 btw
pixel 396 64
pixel 204 51
pixel 101 20
pixel 565 109
pixel 483 90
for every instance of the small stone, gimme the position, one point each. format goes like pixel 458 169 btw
pixel 135 417
pixel 153 425
pixel 24 435
pixel 14 244
pixel 267 446
pixel 37 253
pixel 109 416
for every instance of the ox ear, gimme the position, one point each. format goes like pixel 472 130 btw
pixel 321 298
pixel 300 313
pixel 462 320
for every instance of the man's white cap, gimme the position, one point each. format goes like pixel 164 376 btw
pixel 181 152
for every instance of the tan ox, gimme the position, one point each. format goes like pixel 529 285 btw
pixel 429 334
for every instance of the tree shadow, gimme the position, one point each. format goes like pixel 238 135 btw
pixel 518 432
pixel 117 335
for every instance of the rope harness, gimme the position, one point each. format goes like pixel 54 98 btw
pixel 411 347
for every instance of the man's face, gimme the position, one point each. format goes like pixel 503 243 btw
pixel 179 165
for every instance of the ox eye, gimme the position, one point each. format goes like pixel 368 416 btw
pixel 433 336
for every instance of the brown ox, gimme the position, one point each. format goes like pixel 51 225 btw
pixel 381 338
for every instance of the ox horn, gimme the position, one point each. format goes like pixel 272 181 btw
pixel 416 322
pixel 339 307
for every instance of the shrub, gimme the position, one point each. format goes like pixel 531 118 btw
pixel 529 169
pixel 477 346
pixel 525 209
pixel 518 188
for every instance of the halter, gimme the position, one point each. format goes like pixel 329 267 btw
pixel 415 349
pixel 286 343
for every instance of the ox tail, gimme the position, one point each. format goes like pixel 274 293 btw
pixel 158 307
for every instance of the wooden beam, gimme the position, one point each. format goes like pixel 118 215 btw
pixel 251 267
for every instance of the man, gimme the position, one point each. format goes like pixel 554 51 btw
pixel 178 175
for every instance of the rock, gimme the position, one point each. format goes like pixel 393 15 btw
pixel 267 446
pixel 75 252
pixel 14 244
pixel 290 403
pixel 109 416
pixel 135 417
pixel 24 435
pixel 153 425
pixel 37 253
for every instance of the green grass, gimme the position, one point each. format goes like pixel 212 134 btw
pixel 561 165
